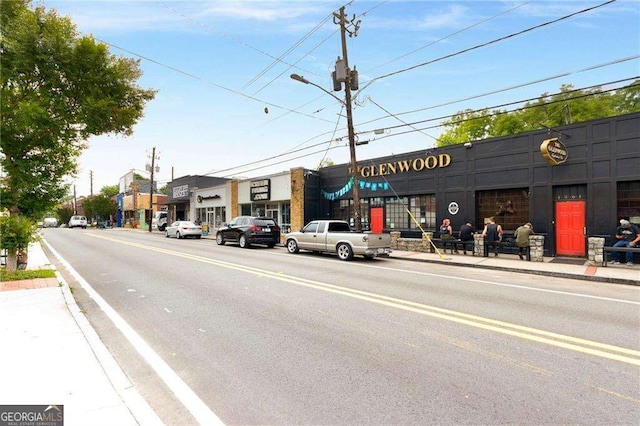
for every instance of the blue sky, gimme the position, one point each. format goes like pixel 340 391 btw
pixel 218 64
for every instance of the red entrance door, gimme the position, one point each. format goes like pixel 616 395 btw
pixel 377 220
pixel 570 225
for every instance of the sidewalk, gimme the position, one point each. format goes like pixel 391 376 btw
pixel 619 274
pixel 52 356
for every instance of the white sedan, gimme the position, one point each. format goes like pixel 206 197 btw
pixel 183 229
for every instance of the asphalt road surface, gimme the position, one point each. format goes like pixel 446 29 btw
pixel 261 336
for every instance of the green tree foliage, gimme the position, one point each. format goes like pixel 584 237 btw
pixel 100 207
pixel 58 89
pixel 64 214
pixel 17 232
pixel 567 106
pixel 110 190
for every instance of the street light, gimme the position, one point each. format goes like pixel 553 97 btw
pixel 352 143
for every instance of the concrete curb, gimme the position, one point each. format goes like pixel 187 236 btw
pixel 593 278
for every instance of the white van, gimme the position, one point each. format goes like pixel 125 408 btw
pixel 159 221
pixel 78 221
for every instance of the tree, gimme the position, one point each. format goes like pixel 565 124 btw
pixel 565 107
pixel 58 89
pixel 100 207
pixel 17 232
pixel 110 190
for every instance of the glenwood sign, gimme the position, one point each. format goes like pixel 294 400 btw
pixel 417 164
pixel 554 151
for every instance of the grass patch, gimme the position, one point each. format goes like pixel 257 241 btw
pixel 27 274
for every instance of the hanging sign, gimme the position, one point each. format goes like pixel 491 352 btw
pixel 554 151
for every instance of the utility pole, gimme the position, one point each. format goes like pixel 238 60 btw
pixel 349 80
pixel 75 200
pixel 91 183
pixel 153 165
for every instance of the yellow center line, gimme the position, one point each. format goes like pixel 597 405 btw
pixel 602 350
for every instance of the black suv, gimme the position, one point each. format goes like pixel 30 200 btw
pixel 247 230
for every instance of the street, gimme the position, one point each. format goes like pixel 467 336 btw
pixel 260 336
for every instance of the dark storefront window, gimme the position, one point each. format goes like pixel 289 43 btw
pixel 396 213
pixel 510 207
pixel 423 209
pixel 629 201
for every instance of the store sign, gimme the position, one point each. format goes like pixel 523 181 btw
pixel 201 198
pixel 181 191
pixel 554 151
pixel 453 208
pixel 417 165
pixel 261 190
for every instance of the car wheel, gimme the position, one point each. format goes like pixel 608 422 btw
pixel 178 235
pixel 219 239
pixel 198 237
pixel 368 256
pixel 166 234
pixel 292 246
pixel 243 241
pixel 345 252
pixel 271 245
pixel 162 227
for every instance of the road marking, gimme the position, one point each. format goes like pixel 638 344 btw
pixel 473 280
pixel 168 311
pixel 588 347
pixel 181 390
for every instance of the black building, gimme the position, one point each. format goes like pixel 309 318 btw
pixel 578 184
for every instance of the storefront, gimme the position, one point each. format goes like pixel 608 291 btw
pixel 571 182
pixel 212 204
pixel 180 195
pixel 267 196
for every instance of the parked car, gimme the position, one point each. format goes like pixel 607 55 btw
pixel 183 229
pixel 336 236
pixel 247 230
pixel 159 221
pixel 78 222
pixel 50 222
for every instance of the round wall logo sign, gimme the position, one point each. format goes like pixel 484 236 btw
pixel 454 208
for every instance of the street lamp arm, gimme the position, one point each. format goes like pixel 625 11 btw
pixel 305 81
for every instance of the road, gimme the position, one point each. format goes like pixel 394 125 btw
pixel 261 336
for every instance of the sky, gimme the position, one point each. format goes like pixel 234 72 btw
pixel 226 105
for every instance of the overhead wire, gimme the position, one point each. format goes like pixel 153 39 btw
pixel 438 125
pixel 488 43
pixel 450 35
pixel 517 86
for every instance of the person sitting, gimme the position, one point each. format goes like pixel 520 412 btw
pixel 493 234
pixel 466 234
pixel 446 232
pixel 628 235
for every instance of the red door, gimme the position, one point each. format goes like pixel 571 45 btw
pixel 570 226
pixel 377 220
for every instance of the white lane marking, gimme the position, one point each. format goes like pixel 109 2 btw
pixel 181 390
pixel 131 290
pixel 474 280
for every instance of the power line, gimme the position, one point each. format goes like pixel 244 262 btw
pixel 489 42
pixel 506 89
pixel 195 77
pixel 413 124
pixel 450 35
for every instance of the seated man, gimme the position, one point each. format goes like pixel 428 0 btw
pixel 628 235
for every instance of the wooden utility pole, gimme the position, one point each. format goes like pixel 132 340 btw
pixel 153 165
pixel 341 20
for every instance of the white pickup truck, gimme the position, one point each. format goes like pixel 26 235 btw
pixel 335 236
